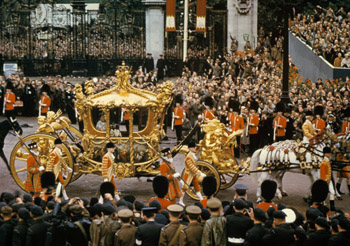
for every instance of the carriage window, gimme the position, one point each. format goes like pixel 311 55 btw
pixel 99 119
pixel 140 119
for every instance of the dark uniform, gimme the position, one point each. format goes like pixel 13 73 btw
pixel 19 234
pixel 318 238
pixel 255 234
pixel 340 239
pixel 280 235
pixel 149 63
pixel 148 234
pixel 237 225
pixel 36 234
pixel 6 230
pixel 70 96
pixel 29 100
pixel 160 67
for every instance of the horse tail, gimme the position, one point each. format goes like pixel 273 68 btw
pixel 254 164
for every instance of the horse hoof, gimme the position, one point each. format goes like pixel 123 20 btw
pixel 339 198
pixel 284 194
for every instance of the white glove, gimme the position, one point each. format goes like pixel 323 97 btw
pixel 202 174
pixel 105 180
pixel 69 169
pixel 176 175
pixel 181 183
pixel 41 168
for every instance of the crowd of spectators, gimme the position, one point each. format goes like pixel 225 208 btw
pixel 327 33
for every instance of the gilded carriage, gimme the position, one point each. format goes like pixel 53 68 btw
pixel 102 113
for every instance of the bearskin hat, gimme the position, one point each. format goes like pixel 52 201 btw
pixel 268 190
pixel 327 150
pixel 319 190
pixel 9 85
pixel 279 107
pixel 347 112
pixel 254 105
pixel 308 113
pixel 107 187
pixel 319 110
pixel 209 186
pixel 178 98
pixel 45 88
pixel 48 180
pixel 208 101
pixel 234 105
pixel 160 186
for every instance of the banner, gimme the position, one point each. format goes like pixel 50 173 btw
pixel 201 15
pixel 170 16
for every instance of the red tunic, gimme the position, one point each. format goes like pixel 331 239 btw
pixel 179 112
pixel 10 100
pixel 163 202
pixel 254 121
pixel 282 123
pixel 45 102
pixel 237 122
pixel 208 114
pixel 33 177
pixel 174 188
pixel 265 205
pixel 190 173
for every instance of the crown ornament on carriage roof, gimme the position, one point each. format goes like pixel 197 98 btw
pixel 123 77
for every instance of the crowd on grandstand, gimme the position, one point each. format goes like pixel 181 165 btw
pixel 327 33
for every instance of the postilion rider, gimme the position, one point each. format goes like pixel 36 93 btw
pixel 167 169
pixel 192 175
pixel 33 184
pixel 108 167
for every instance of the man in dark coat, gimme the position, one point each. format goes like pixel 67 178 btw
pixel 322 234
pixel 342 238
pixel 148 234
pixel 20 231
pixel 36 234
pixel 70 96
pixel 238 224
pixel 148 63
pixel 161 68
pixel 7 226
pixel 256 233
pixel 281 233
pixel 29 99
pixel 77 231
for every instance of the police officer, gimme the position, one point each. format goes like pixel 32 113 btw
pixel 148 63
pixel 170 233
pixel 238 224
pixel 192 233
pixel 321 235
pixel 214 231
pixel 7 225
pixel 127 233
pixel 20 231
pixel 241 192
pixel 148 234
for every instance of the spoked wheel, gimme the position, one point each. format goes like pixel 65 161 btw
pixel 77 137
pixel 20 153
pixel 208 170
pixel 228 178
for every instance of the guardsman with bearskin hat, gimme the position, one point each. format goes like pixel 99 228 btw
pixel 268 191
pixel 209 185
pixel 57 164
pixel 253 123
pixel 108 167
pixel 33 184
pixel 9 100
pixel 237 123
pixel 319 193
pixel 48 182
pixel 318 123
pixel 192 175
pixel 45 101
pixel 178 117
pixel 309 132
pixel 160 187
pixel 279 124
pixel 167 169
pixel 208 113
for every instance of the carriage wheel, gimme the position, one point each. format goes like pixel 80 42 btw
pixel 19 155
pixel 78 136
pixel 228 178
pixel 207 169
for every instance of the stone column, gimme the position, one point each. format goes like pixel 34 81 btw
pixel 242 22
pixel 155 27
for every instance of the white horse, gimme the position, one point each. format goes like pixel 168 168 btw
pixel 286 156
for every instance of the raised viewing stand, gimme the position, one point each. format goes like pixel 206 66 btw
pixel 311 65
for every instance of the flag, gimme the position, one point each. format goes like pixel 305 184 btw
pixel 170 25
pixel 201 15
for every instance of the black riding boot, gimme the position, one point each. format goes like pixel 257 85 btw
pixel 349 188
pixel 338 189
